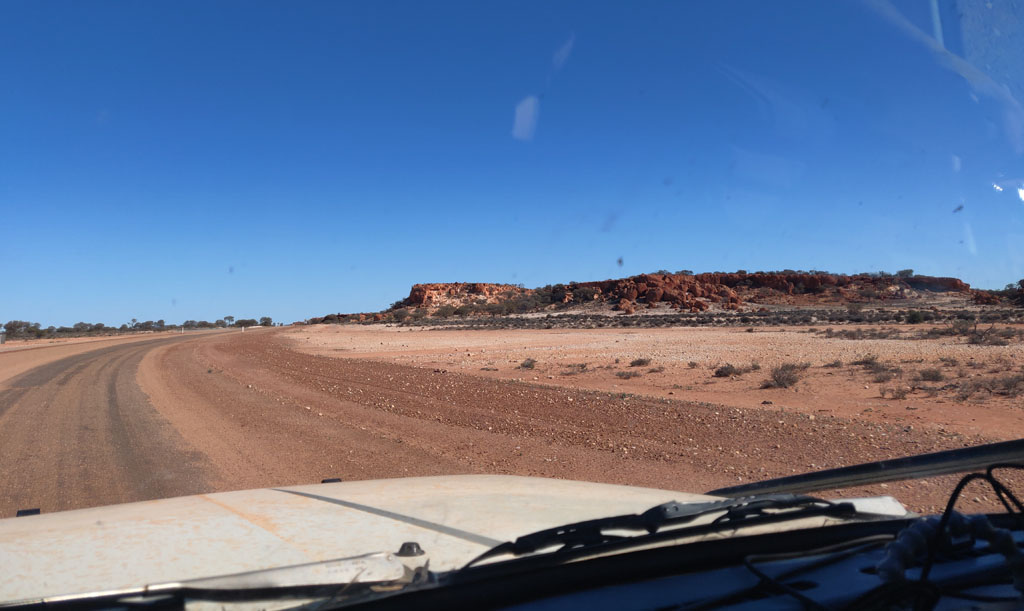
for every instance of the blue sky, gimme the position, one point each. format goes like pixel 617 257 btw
pixel 201 159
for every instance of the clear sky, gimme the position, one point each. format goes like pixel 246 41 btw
pixel 191 160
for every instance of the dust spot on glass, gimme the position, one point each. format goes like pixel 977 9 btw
pixel 231 269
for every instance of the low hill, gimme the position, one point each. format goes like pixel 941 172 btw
pixel 684 292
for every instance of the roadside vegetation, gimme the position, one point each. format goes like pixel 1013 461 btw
pixel 20 329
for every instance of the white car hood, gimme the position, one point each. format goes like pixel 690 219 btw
pixel 453 518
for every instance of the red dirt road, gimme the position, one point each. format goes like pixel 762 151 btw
pixel 186 415
pixel 268 415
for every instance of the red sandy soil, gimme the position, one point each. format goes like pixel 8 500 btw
pixel 270 408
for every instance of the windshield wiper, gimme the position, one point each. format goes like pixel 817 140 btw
pixel 346 578
pixel 734 512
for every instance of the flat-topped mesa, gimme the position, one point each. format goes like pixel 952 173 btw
pixel 682 291
pixel 697 292
pixel 458 293
pixel 732 290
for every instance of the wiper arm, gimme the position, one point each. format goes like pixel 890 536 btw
pixel 356 575
pixel 593 532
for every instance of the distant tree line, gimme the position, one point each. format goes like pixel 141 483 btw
pixel 21 329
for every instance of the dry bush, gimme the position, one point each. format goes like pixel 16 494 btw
pixel 836 364
pixel 785 375
pixel 625 375
pixel 640 362
pixel 931 375
pixel 528 364
pixel 656 370
pixel 728 370
pixel 868 360
pixel 894 392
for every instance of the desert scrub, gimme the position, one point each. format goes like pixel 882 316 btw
pixel 785 375
pixel 897 392
pixel 528 364
pixel 640 362
pixel 727 370
pixel 931 375
pixel 625 375
pixel 867 361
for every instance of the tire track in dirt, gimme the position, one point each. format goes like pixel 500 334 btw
pixel 78 432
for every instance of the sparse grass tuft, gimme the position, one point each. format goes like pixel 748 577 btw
pixel 693 364
pixel 656 370
pixel 640 362
pixel 625 375
pixel 868 360
pixel 574 368
pixel 836 364
pixel 528 364
pixel 931 375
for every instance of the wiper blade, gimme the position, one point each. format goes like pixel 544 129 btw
pixel 354 575
pixel 733 512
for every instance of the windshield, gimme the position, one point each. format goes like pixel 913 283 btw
pixel 675 246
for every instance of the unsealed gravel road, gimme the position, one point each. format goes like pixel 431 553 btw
pixel 187 415
pixel 79 432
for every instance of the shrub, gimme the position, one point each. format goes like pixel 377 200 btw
pixel 640 362
pixel 656 370
pixel 528 364
pixel 728 370
pixel 868 360
pixel 881 377
pixel 931 375
pixel 444 311
pixel 899 393
pixel 784 376
pixel 625 375
pixel 914 317
pixel 693 364
pixel 1010 385
pixel 834 364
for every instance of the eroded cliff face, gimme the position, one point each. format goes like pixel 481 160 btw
pixel 459 293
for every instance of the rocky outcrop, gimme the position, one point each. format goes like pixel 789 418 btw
pixel 684 292
pixel 733 290
pixel 458 293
